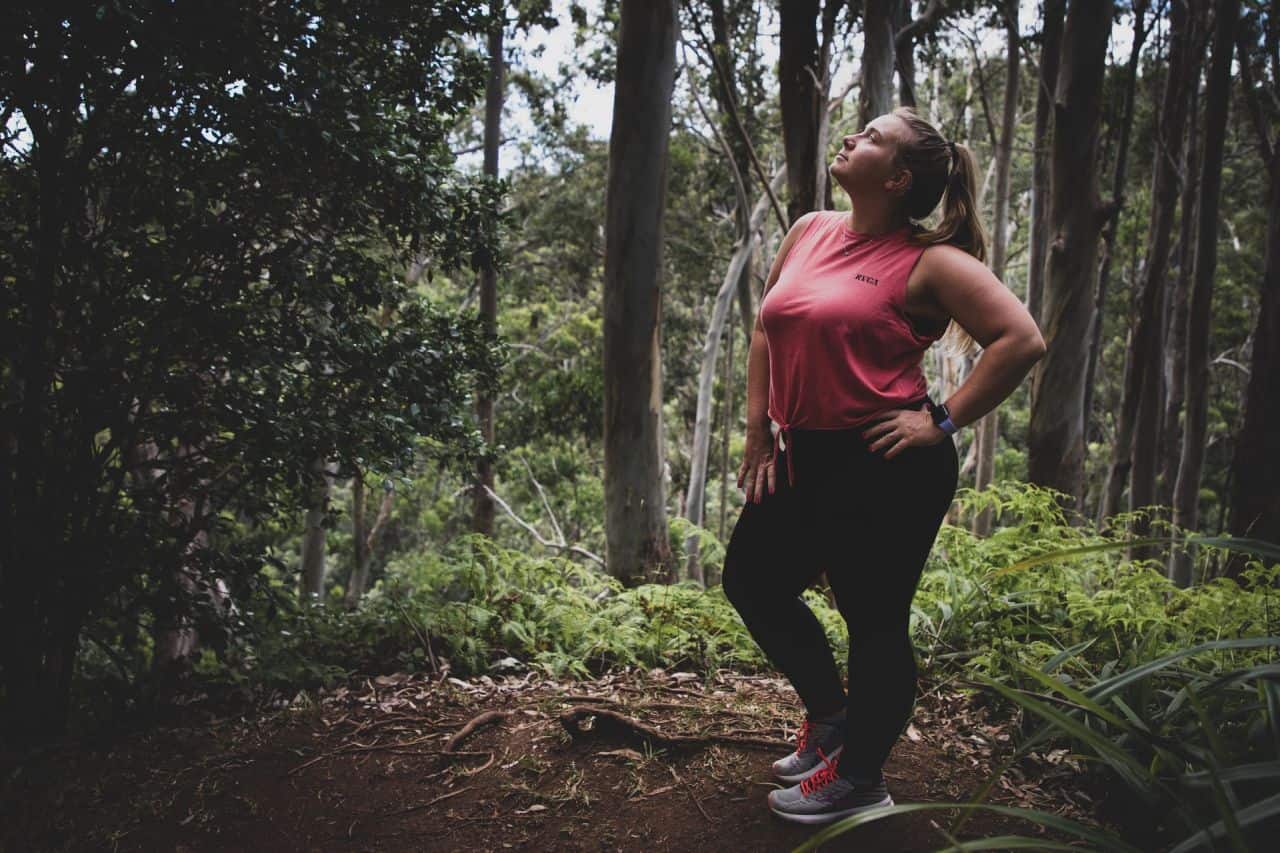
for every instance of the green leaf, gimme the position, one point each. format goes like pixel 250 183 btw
pixel 1101 839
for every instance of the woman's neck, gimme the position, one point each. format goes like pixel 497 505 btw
pixel 874 220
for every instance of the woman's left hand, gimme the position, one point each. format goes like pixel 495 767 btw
pixel 899 429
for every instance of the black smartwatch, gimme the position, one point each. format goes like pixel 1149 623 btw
pixel 942 418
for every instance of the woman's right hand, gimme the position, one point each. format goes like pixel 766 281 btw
pixel 756 470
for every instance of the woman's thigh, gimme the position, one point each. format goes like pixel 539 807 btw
pixel 875 544
pixel 770 553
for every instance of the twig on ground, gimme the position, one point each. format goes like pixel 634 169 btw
pixel 693 795
pixel 427 804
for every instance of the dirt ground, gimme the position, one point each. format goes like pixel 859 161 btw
pixel 637 761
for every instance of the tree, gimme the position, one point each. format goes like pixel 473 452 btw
pixel 988 427
pixel 635 494
pixel 1186 490
pixel 1255 502
pixel 183 210
pixel 1142 381
pixel 798 63
pixel 1050 52
pixel 876 95
pixel 488 278
pixel 1055 435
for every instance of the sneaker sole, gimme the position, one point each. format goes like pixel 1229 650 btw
pixel 795 778
pixel 828 817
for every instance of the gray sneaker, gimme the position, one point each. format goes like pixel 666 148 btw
pixel 804 762
pixel 827 796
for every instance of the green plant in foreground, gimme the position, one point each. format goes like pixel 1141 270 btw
pixel 1198 747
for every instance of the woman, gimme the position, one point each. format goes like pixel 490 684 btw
pixel 860 467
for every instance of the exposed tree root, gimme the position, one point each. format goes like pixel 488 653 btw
pixel 476 722
pixel 608 721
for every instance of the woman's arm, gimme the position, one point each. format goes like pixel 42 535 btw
pixel 968 292
pixel 985 308
pixel 757 464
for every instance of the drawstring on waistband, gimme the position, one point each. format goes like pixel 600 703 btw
pixel 787 445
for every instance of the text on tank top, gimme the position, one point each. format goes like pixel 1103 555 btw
pixel 841 347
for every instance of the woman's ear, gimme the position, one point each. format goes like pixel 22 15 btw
pixel 899 182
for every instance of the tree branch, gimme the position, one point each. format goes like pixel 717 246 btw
pixel 533 531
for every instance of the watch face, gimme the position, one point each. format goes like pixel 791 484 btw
pixel 939 413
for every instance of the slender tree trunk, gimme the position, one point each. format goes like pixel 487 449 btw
pixel 725 89
pixel 821 172
pixel 696 499
pixel 1175 362
pixel 367 537
pixel 1255 468
pixel 311 585
pixel 359 541
pixel 1186 493
pixel 988 427
pixel 727 385
pixel 1050 52
pixel 483 506
pixel 638 549
pixel 1056 429
pixel 797 64
pixel 904 55
pixel 1142 356
pixel 876 95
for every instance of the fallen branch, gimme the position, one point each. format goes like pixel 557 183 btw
pixel 379 748
pixel 616 723
pixel 476 722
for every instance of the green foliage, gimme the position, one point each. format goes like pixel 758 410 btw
pixel 968 609
pixel 208 211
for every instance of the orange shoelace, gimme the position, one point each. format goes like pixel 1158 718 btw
pixel 825 774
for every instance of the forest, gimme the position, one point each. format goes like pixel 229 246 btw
pixel 375 400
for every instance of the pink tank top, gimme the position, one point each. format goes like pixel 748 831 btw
pixel 841 347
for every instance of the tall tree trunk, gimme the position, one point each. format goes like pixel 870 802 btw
pixel 695 499
pixel 822 178
pixel 876 95
pixel 988 427
pixel 635 498
pixel 359 541
pixel 366 537
pixel 904 55
pixel 1186 492
pixel 483 506
pixel 1145 446
pixel 727 385
pixel 797 64
pixel 1255 468
pixel 1145 332
pixel 1056 430
pixel 1050 52
pixel 311 585
pixel 725 89
pixel 1255 504
pixel 1175 362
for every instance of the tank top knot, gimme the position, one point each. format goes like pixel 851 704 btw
pixel 841 346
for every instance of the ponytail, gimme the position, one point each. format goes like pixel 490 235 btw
pixel 943 169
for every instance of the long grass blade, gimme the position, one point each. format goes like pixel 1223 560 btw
pixel 1100 839
pixel 1247 816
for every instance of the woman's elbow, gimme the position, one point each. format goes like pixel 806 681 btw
pixel 1035 346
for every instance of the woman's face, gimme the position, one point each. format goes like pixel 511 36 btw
pixel 865 161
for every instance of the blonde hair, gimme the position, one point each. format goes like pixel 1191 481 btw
pixel 941 167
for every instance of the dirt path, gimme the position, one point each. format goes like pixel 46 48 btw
pixel 369 767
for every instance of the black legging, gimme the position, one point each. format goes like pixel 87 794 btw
pixel 870 523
